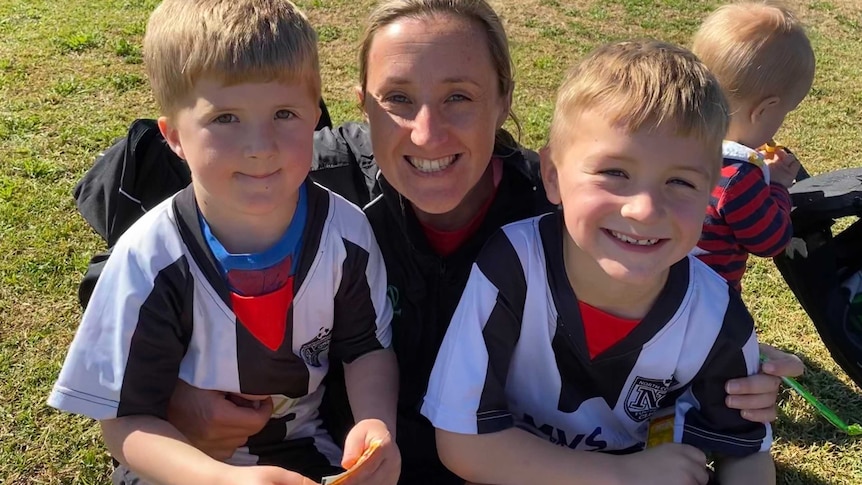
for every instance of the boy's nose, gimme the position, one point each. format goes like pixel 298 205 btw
pixel 645 206
pixel 261 142
pixel 428 128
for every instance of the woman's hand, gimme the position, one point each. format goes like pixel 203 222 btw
pixel 756 395
pixel 214 422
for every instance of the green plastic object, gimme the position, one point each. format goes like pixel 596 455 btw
pixel 853 429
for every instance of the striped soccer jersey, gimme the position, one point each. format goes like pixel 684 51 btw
pixel 515 355
pixel 162 311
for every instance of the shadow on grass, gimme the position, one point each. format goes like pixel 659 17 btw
pixel 791 476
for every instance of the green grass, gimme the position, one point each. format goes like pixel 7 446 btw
pixel 71 81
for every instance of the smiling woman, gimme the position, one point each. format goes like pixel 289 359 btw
pixel 432 114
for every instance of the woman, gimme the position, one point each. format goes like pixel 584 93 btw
pixel 436 87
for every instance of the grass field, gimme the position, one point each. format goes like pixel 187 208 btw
pixel 71 81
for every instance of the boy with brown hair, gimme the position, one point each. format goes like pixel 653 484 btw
pixel 763 61
pixel 577 327
pixel 251 280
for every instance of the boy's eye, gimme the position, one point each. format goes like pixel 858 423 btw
pixel 284 114
pixel 613 172
pixel 226 118
pixel 683 183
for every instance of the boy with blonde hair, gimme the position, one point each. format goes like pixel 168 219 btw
pixel 763 61
pixel 251 280
pixel 577 327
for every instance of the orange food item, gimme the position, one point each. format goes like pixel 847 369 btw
pixel 340 478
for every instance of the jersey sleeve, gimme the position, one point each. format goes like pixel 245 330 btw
pixel 702 418
pixel 467 390
pixel 362 313
pixel 125 356
pixel 758 213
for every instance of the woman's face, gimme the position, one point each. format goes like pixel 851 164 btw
pixel 433 104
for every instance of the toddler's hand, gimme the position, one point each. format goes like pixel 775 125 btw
pixel 261 475
pixel 383 466
pixel 668 464
pixel 783 166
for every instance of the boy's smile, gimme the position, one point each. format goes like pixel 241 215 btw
pixel 633 203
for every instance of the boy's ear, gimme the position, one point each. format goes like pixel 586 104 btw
pixel 764 106
pixel 550 178
pixel 171 135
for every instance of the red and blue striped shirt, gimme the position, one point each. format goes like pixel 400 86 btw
pixel 746 214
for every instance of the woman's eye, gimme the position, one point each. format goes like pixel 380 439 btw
pixel 284 114
pixel 396 98
pixel 458 97
pixel 226 118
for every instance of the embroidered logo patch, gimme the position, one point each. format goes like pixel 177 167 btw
pixel 645 397
pixel 311 350
pixel 392 295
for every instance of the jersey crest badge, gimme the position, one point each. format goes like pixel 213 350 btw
pixel 311 350
pixel 645 397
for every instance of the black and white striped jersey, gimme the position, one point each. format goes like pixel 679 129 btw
pixel 515 355
pixel 161 310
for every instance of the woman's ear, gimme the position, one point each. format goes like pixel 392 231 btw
pixel 550 178
pixel 171 135
pixel 506 107
pixel 360 96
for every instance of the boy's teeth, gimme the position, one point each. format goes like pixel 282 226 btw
pixel 631 240
pixel 429 166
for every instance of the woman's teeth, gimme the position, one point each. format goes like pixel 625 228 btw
pixel 430 166
pixel 631 240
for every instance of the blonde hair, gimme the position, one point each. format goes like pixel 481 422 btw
pixel 756 50
pixel 478 12
pixel 234 41
pixel 644 85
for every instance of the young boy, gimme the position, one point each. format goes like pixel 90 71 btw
pixel 763 60
pixel 577 326
pixel 251 280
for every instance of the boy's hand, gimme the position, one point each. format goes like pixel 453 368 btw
pixel 212 422
pixel 383 466
pixel 668 464
pixel 261 475
pixel 783 167
pixel 755 396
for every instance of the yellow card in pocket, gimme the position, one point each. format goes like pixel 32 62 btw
pixel 660 429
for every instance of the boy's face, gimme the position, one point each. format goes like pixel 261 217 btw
pixel 632 202
pixel 248 146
